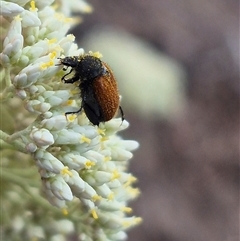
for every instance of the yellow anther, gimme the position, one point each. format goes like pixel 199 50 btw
pixel 126 209
pixel 18 18
pixel 134 192
pixel 65 211
pixel 33 6
pixel 52 41
pixel 46 65
pixel 132 222
pixel 62 18
pixel 50 63
pixel 95 54
pixel 53 55
pixel 130 180
pixel 94 214
pixel 65 171
pixel 85 139
pixel 43 66
pixel 107 158
pixel 115 175
pixel 96 198
pixel 71 117
pixel 89 164
pixel 70 102
pixel 105 138
pixel 88 9
pixel 111 196
pixel 137 220
pixel 101 132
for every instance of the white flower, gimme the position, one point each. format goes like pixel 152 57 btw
pixel 55 201
pixel 76 183
pixel 18 224
pixel 64 226
pixel 48 162
pixel 12 44
pixel 27 76
pixel 29 19
pixel 36 232
pixel 83 168
pixel 59 188
pixel 41 137
pixel 57 122
pixel 58 237
pixel 10 9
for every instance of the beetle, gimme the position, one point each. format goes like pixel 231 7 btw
pixel 98 87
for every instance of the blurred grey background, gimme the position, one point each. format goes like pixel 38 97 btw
pixel 177 65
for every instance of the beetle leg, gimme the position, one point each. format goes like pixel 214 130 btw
pixel 122 113
pixel 63 78
pixel 71 80
pixel 74 112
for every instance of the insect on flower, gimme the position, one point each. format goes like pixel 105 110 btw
pixel 98 87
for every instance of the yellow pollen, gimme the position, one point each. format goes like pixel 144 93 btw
pixel 115 175
pixel 107 158
pixel 105 138
pixel 134 192
pixel 85 139
pixel 33 6
pixel 62 18
pixel 110 196
pixel 69 20
pixel 95 54
pixel 94 214
pixel 65 211
pixel 96 198
pixel 53 55
pixel 18 18
pixel 127 209
pixel 130 180
pixel 89 164
pixel 52 41
pixel 46 65
pixel 88 9
pixel 127 224
pixel 138 220
pixel 133 222
pixel 65 171
pixel 50 63
pixel 70 102
pixel 101 132
pixel 71 117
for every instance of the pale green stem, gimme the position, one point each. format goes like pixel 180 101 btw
pixel 7 176
pixel 24 173
pixel 18 134
pixel 7 77
pixel 7 93
pixel 5 145
pixel 18 145
pixel 2 74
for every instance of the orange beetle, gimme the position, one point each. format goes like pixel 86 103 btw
pixel 98 87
